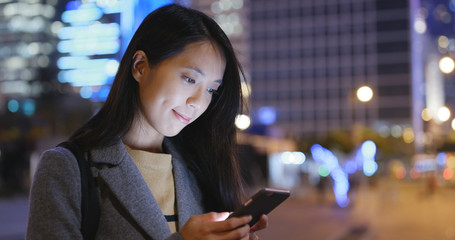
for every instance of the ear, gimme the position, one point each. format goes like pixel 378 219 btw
pixel 140 65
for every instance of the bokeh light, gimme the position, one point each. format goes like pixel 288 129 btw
pixel 267 115
pixel 443 114
pixel 447 174
pixel 400 173
pixel 396 131
pixel 323 170
pixel 293 158
pixel 426 114
pixel 369 168
pixel 364 94
pixel 443 42
pixel 28 107
pixel 408 135
pixel 420 26
pixel 326 158
pixel 446 65
pixel 242 121
pixel 13 105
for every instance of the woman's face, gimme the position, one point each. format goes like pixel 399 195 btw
pixel 178 90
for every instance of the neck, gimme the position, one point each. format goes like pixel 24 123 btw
pixel 141 138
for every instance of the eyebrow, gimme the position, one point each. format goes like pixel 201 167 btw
pixel 198 70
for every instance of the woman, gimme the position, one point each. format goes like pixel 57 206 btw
pixel 161 146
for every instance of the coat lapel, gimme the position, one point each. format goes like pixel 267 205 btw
pixel 127 184
pixel 188 195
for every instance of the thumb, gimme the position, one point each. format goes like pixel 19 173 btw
pixel 212 217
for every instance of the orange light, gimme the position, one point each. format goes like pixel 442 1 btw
pixel 447 174
pixel 400 173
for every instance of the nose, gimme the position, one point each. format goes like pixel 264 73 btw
pixel 197 99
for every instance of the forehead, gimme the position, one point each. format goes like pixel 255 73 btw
pixel 204 56
pixel 203 49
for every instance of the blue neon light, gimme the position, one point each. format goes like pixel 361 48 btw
pixel 102 30
pixel 368 149
pixel 80 47
pixel 86 92
pixel 91 47
pixel 73 5
pixel 267 115
pixel 340 178
pixel 82 63
pixel 28 107
pixel 13 105
pixel 86 14
pixel 441 159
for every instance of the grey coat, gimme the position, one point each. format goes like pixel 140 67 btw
pixel 128 208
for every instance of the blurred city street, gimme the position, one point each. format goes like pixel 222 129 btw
pixel 390 210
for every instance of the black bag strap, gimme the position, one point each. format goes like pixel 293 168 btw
pixel 90 203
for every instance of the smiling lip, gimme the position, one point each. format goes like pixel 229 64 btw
pixel 181 118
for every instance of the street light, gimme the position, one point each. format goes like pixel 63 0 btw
pixel 426 115
pixel 364 94
pixel 242 121
pixel 444 114
pixel 446 65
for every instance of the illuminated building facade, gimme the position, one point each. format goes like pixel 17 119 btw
pixel 26 47
pixel 78 43
pixel 93 36
pixel 308 58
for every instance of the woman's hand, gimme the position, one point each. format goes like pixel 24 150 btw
pixel 261 224
pixel 216 226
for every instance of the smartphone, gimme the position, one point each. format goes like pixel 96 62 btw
pixel 263 202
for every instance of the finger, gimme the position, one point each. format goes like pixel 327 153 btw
pixel 231 224
pixel 211 217
pixel 241 232
pixel 253 236
pixel 261 224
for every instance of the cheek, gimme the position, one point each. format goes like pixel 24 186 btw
pixel 204 107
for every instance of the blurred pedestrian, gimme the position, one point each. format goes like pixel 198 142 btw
pixel 161 147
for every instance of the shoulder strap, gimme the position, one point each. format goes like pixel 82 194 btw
pixel 90 202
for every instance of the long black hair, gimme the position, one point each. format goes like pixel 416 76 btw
pixel 208 144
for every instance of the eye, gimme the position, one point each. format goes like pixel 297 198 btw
pixel 212 91
pixel 189 80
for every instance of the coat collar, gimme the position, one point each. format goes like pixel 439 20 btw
pixel 111 155
pixel 125 181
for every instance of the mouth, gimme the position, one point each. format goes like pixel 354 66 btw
pixel 182 118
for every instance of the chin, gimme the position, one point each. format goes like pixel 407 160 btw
pixel 172 133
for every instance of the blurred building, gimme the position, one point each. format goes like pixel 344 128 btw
pixel 232 16
pixel 26 46
pixel 308 58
